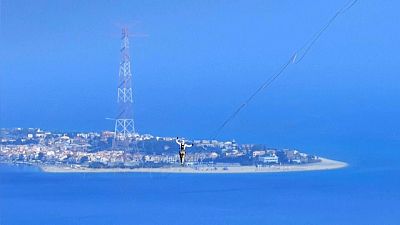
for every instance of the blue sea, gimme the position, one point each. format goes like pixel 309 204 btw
pixel 197 62
pixel 366 192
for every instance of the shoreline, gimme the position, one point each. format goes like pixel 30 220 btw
pixel 325 164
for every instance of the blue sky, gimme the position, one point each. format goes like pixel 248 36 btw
pixel 198 61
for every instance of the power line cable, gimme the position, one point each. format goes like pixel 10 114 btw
pixel 294 59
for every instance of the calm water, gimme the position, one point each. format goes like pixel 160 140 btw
pixel 365 193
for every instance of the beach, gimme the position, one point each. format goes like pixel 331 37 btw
pixel 324 164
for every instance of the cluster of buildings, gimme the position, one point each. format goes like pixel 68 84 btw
pixel 40 154
pixel 93 149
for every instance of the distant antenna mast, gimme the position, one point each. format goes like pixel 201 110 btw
pixel 124 124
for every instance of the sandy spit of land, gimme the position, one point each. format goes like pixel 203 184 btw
pixel 325 164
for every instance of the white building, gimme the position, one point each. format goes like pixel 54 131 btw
pixel 269 159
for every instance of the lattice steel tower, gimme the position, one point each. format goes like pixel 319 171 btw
pixel 124 124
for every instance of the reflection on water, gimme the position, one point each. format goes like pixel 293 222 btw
pixel 352 195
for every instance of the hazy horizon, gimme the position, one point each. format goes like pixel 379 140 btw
pixel 193 63
pixel 197 62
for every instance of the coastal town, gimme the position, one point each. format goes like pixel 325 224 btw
pixel 95 150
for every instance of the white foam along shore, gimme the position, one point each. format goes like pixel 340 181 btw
pixel 324 164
